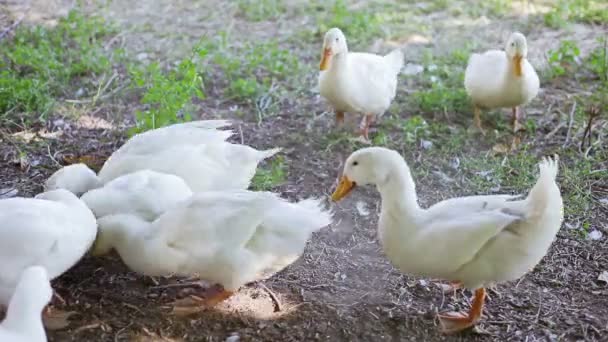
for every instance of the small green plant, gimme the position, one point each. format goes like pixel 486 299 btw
pixel 41 65
pixel 564 58
pixel 358 25
pixel 598 60
pixel 274 175
pixel 168 95
pixel 414 128
pixel 258 10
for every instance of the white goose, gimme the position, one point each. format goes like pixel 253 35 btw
pixel 357 82
pixel 22 322
pixel 53 230
pixel 476 240
pixel 228 238
pixel 498 79
pixel 196 152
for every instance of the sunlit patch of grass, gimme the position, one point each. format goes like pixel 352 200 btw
pixel 271 176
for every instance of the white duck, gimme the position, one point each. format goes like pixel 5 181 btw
pixel 146 194
pixel 195 151
pixel 228 238
pixel 477 240
pixel 53 230
pixel 357 82
pixel 499 79
pixel 22 322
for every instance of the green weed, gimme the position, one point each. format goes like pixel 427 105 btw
pixel 587 11
pixel 563 59
pixel 42 65
pixel 598 60
pixel 359 26
pixel 251 69
pixel 258 10
pixel 442 81
pixel 168 95
pixel 274 175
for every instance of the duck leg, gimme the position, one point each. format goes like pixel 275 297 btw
pixel 453 322
pixel 209 297
pixel 451 287
pixel 517 126
pixel 368 119
pixel 53 318
pixel 477 118
pixel 339 117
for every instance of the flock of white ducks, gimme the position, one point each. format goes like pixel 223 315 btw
pixel 173 201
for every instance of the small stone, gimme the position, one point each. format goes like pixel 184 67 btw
pixel 595 235
pixel 426 144
pixel 233 338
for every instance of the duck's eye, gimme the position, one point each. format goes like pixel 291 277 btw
pixel 355 163
pixel 512 43
pixel 337 39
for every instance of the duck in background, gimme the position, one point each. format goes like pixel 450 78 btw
pixel 499 79
pixel 357 82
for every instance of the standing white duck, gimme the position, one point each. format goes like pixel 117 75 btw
pixel 53 230
pixel 357 82
pixel 194 151
pixel 146 194
pixel 499 79
pixel 228 238
pixel 477 240
pixel 22 322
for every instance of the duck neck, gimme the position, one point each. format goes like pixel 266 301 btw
pixel 398 192
pixel 338 61
pixel 23 316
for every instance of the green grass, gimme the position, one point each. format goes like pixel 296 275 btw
pixel 41 66
pixel 567 11
pixel 168 94
pixel 359 26
pixel 441 84
pixel 563 60
pixel 251 69
pixel 271 176
pixel 259 10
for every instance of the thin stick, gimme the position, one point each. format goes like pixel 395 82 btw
pixel 275 299
pixel 570 123
pixel 16 23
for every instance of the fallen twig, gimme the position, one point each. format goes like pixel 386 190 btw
pixel 570 123
pixel 16 23
pixel 275 299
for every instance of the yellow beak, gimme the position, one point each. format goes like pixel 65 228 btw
pixel 517 61
pixel 344 188
pixel 325 58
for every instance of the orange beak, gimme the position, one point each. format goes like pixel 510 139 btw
pixel 344 188
pixel 325 58
pixel 517 61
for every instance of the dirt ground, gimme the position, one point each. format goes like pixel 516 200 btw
pixel 343 288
